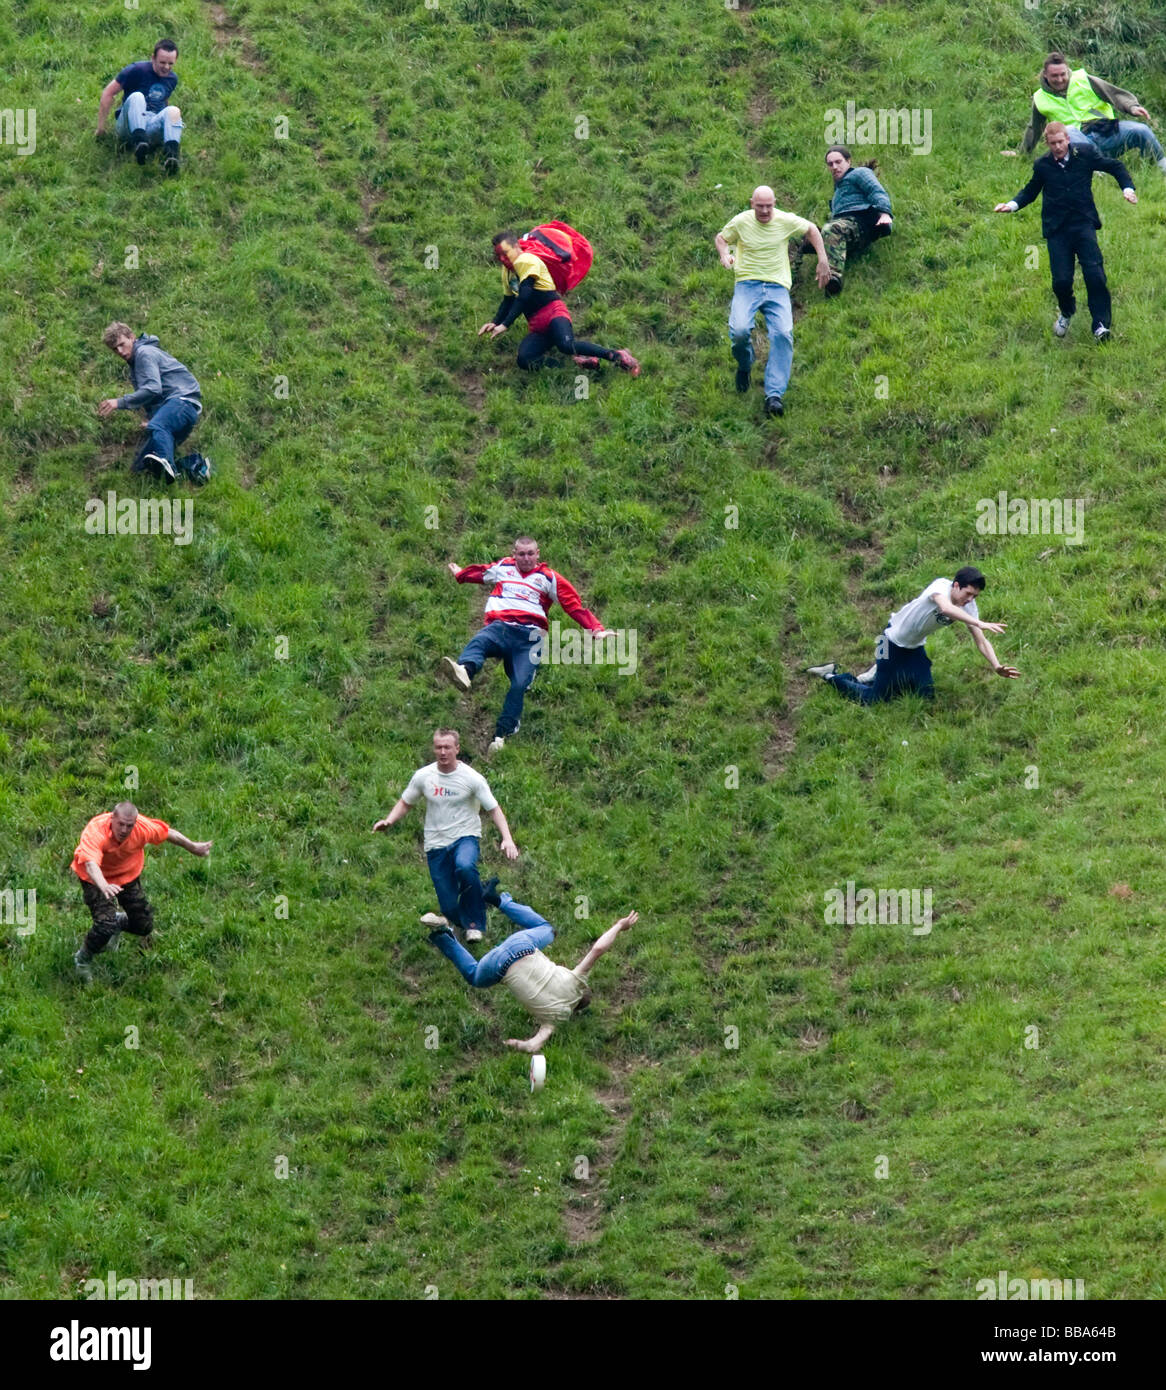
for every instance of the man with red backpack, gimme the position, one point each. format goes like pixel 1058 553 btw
pixel 535 269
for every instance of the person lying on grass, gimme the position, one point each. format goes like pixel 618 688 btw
pixel 902 666
pixel 550 993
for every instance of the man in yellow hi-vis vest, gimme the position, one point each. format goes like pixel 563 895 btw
pixel 1089 107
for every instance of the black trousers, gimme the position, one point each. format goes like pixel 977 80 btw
pixel 559 334
pixel 1078 241
pixel 131 900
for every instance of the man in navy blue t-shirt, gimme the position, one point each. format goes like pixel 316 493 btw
pixel 146 118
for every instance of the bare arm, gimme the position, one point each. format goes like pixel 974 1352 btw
pixel 606 942
pixel 987 651
pixel 108 96
pixel 399 812
pixel 724 251
pixel 823 273
pixel 534 1044
pixel 97 878
pixel 200 847
pixel 960 615
pixel 509 848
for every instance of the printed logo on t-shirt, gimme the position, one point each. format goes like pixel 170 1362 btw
pixel 944 619
pixel 156 96
pixel 443 791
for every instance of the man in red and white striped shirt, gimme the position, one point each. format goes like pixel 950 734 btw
pixel 515 625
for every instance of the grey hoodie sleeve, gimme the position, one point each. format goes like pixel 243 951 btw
pixel 147 379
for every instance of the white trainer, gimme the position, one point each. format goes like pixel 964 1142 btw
pixel 825 671
pixel 1061 324
pixel 434 919
pixel 455 673
pixel 868 676
pixel 496 745
pixel 472 934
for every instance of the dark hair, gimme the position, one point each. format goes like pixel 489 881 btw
pixel 842 150
pixel 1054 60
pixel 508 235
pixel 970 575
pixel 584 1004
pixel 168 44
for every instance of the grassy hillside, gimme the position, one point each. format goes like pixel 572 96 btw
pixel 717 790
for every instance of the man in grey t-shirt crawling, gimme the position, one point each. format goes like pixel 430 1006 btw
pixel 454 795
pixel 902 665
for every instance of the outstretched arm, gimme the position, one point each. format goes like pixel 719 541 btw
pixel 988 653
pixel 961 615
pixel 534 1044
pixel 200 847
pixel 606 942
pixel 399 811
pixel 509 848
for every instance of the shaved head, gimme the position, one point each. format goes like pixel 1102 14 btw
pixel 763 203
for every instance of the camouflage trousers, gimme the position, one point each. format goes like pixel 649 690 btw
pixel 842 237
pixel 104 911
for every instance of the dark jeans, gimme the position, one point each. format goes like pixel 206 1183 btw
pixel 559 334
pixel 902 671
pixel 454 871
pixel 131 900
pixel 167 427
pixel 1079 240
pixel 519 648
pixel 536 934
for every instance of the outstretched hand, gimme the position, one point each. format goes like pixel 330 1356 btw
pixel 993 627
pixel 381 825
pixel 201 847
pixel 1003 207
pixel 629 921
pixel 1129 195
pixel 1009 672
pixel 520 1044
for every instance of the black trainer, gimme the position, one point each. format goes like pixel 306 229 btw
pixel 742 379
pixel 141 151
pixel 774 405
pixel 170 156
pixel 490 892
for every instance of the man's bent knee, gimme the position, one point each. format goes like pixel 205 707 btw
pixel 172 113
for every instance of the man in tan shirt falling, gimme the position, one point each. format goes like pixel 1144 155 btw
pixel 550 993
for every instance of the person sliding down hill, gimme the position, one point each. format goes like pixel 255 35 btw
pixel 527 288
pixel 550 993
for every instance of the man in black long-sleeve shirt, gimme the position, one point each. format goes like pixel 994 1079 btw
pixel 528 289
pixel 1070 222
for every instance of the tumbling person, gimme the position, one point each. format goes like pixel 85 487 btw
pixel 527 288
pixel 145 118
pixel 550 993
pixel 902 666
pixel 454 794
pixel 860 213
pixel 109 861
pixel 761 269
pixel 169 394
pixel 1089 108
pixel 1070 222
pixel 515 624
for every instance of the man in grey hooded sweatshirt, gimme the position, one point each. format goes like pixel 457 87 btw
pixel 163 388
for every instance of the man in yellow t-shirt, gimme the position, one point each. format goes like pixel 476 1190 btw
pixel 760 263
pixel 550 993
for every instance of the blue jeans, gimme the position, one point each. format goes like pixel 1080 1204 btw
pixel 1130 135
pixel 169 425
pixel 902 671
pixel 753 297
pixel 454 871
pixel 519 647
pixel 158 127
pixel 537 933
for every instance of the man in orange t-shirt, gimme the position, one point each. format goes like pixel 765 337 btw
pixel 109 862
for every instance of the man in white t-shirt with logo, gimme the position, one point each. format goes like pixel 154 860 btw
pixel 902 665
pixel 550 993
pixel 454 796
pixel 754 245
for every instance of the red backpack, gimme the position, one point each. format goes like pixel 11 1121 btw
pixel 565 252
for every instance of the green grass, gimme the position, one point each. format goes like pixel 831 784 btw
pixel 305 1038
